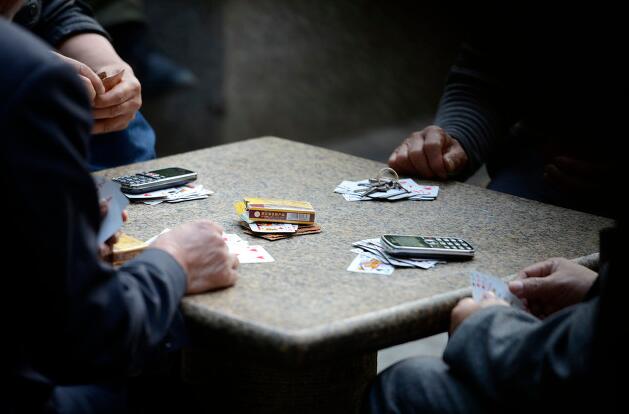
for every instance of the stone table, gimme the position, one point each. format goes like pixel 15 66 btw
pixel 301 334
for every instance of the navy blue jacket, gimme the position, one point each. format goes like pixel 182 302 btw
pixel 67 317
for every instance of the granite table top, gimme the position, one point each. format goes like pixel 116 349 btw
pixel 305 306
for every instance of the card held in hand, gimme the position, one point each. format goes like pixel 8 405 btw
pixel 482 282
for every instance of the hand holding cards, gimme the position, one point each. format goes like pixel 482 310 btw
pixel 482 283
pixel 109 193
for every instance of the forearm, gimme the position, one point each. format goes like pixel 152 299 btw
pixel 474 108
pixel 92 49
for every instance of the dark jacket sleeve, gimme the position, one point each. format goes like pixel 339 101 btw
pixel 573 359
pixel 56 20
pixel 476 107
pixel 85 319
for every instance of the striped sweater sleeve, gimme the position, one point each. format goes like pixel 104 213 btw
pixel 476 106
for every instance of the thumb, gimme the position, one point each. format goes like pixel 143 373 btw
pixel 454 158
pixel 531 287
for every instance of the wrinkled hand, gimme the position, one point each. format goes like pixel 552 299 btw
pixel 90 79
pixel 429 153
pixel 552 285
pixel 114 109
pixel 107 248
pixel 199 248
pixel 469 306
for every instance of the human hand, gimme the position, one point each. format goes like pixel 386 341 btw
pixel 199 248
pixel 469 306
pixel 93 85
pixel 115 108
pixel 107 248
pixel 429 153
pixel 552 285
pixel 575 176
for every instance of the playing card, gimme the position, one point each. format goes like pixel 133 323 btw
pixel 109 192
pixel 431 191
pixel 482 283
pixel 152 239
pixel 369 263
pixel 273 227
pixel 253 254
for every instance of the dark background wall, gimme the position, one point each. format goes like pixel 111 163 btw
pixel 362 72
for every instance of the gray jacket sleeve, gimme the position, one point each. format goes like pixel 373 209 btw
pixel 512 356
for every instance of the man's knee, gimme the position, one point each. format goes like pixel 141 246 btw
pixel 422 384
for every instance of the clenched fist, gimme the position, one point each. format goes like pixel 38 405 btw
pixel 429 153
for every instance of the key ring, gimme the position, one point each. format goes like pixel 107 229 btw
pixel 390 171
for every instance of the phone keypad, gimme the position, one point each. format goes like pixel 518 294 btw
pixel 452 243
pixel 138 179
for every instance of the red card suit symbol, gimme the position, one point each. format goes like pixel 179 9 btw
pixel 260 257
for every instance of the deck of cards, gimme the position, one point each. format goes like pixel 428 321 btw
pixel 407 190
pixel 275 219
pixel 372 258
pixel 172 195
pixel 482 283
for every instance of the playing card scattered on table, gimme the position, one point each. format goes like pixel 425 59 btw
pixel 482 283
pixel 244 252
pixel 409 190
pixel 172 195
pixel 369 263
pixel 374 248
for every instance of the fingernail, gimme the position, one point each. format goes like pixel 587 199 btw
pixel 516 287
pixel 489 295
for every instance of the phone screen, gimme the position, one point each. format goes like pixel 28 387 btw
pixel 172 172
pixel 409 241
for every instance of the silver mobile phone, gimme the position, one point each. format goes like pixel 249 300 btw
pixel 155 180
pixel 451 248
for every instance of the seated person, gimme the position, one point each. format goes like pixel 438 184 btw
pixel 74 325
pixel 544 124
pixel 120 134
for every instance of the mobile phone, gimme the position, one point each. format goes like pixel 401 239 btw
pixel 428 247
pixel 155 180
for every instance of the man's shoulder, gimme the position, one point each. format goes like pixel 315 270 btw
pixel 24 54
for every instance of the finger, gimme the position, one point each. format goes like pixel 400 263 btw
pixel 455 158
pixel 417 156
pixel 212 226
pixel 401 163
pixel 581 168
pixel 433 148
pixel 540 269
pixel 125 216
pixel 565 181
pixel 113 239
pixel 88 73
pixel 118 95
pixel 91 92
pixel 128 107
pixel 530 288
pixel 235 262
pixel 118 123
pixel 102 205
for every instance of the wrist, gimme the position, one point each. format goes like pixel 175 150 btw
pixel 172 250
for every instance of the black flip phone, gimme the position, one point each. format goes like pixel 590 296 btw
pixel 145 182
